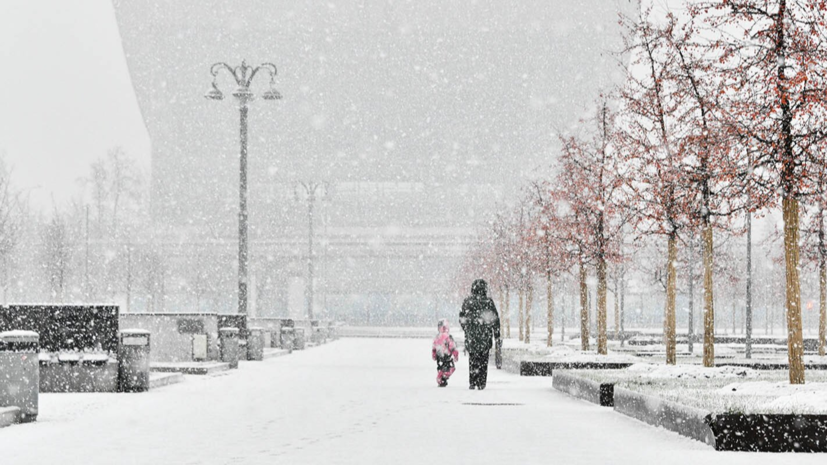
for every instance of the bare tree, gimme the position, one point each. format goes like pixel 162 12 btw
pixel 11 220
pixel 57 253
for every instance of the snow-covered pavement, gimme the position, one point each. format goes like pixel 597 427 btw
pixel 354 401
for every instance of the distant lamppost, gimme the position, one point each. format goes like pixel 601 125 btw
pixel 310 189
pixel 243 76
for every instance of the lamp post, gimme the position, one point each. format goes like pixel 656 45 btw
pixel 310 188
pixel 243 76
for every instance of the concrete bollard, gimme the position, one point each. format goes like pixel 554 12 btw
pixel 133 360
pixel 255 344
pixel 20 372
pixel 314 336
pixel 286 338
pixel 287 335
pixel 228 337
pixel 299 341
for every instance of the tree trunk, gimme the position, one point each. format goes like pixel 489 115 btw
pixel 671 284
pixel 520 318
pixel 529 302
pixel 691 317
pixel 601 306
pixel 549 310
pixel 709 306
pixel 748 309
pixel 563 321
pixel 616 295
pixel 822 308
pixel 622 305
pixel 795 341
pixel 507 312
pixel 789 205
pixel 822 284
pixel 584 308
pixel 592 312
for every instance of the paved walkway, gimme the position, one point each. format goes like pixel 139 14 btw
pixel 354 401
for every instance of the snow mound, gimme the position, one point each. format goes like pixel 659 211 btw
pixel 782 395
pixel 648 370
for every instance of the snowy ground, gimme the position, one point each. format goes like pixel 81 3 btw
pixel 359 401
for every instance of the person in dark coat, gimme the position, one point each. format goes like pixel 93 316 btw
pixel 481 323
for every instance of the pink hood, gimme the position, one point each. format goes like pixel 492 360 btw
pixel 443 344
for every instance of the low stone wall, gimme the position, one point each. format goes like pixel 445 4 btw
pixel 173 334
pixel 770 433
pixel 529 368
pixel 546 368
pixel 591 391
pixel 79 376
pixel 65 328
pixel 686 421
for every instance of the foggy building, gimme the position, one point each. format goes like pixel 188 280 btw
pixel 419 116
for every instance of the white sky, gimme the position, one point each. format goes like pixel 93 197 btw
pixel 65 93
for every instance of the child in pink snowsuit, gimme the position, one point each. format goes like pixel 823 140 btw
pixel 444 351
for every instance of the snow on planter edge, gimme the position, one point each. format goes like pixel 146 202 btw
pixel 686 421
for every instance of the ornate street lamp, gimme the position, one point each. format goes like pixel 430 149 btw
pixel 243 76
pixel 311 189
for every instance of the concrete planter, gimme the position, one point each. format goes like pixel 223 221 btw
pixel 545 368
pixel 591 391
pixel 770 433
pixel 299 341
pixel 79 376
pixel 728 431
pixel 686 421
